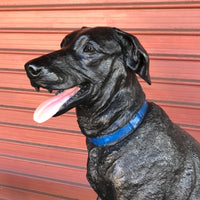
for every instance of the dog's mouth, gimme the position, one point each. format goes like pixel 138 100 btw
pixel 63 101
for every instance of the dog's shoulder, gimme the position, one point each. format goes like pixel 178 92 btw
pixel 158 132
pixel 157 121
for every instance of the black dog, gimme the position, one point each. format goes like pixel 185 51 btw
pixel 135 151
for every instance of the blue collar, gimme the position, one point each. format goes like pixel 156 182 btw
pixel 122 132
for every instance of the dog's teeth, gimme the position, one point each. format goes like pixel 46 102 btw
pixel 37 88
pixel 59 91
pixel 50 90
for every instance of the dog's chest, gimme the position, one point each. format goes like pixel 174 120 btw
pixel 111 173
pixel 99 161
pixel 101 165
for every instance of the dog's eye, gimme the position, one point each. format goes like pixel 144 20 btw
pixel 89 48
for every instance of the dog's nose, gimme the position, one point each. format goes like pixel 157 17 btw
pixel 33 70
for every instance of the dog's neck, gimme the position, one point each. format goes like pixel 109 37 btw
pixel 109 114
pixel 123 132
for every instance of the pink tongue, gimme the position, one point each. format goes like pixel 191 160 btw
pixel 51 106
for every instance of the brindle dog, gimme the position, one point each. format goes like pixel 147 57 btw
pixel 135 151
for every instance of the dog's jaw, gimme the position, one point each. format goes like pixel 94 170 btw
pixel 64 100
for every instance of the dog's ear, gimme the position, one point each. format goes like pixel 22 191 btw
pixel 62 43
pixel 135 55
pixel 83 27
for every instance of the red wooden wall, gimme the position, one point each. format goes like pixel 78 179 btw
pixel 48 161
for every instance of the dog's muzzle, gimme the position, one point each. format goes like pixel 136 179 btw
pixel 67 95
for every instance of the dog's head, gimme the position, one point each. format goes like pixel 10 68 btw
pixel 88 58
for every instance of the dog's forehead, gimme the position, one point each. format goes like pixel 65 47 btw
pixel 104 36
pixel 99 33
